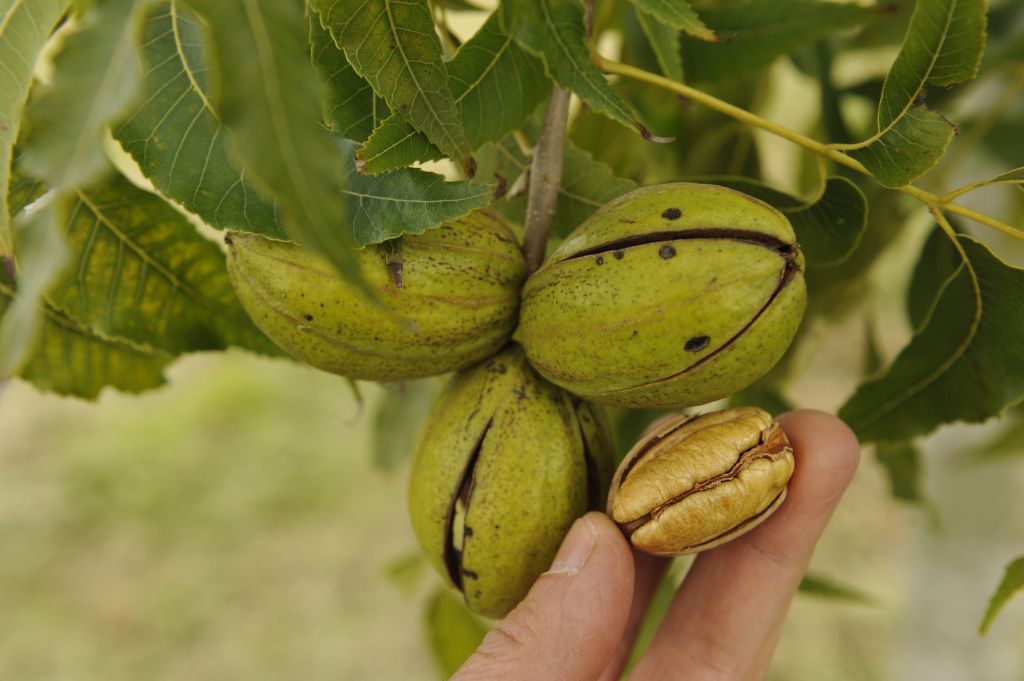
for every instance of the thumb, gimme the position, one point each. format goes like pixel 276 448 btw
pixel 569 625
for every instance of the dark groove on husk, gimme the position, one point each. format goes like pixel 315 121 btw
pixel 594 501
pixel 453 556
pixel 789 270
pixel 756 238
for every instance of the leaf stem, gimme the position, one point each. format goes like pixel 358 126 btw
pixel 825 150
pixel 545 178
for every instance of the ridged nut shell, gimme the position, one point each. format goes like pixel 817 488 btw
pixel 504 466
pixel 699 481
pixel 452 302
pixel 672 295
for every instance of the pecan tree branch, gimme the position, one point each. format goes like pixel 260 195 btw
pixel 545 178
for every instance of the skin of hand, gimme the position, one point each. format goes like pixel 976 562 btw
pixel 580 619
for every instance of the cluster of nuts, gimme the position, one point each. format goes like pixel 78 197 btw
pixel 671 296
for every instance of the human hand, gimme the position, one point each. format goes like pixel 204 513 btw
pixel 580 619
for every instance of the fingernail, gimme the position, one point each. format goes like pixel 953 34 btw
pixel 576 548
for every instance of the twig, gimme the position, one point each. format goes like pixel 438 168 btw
pixel 545 178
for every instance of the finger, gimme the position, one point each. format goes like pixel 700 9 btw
pixel 649 571
pixel 567 627
pixel 725 620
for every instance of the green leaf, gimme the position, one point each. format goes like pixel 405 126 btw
pixel 961 365
pixel 453 633
pixel 665 43
pixel 406 201
pixel 902 464
pixel 142 273
pixel 943 46
pixel 351 109
pixel 69 359
pixel 823 587
pixel 406 572
pixel 554 31
pixel 496 86
pixel 677 14
pixel 176 136
pixel 1013 582
pixel 25 28
pixel 21 189
pixel 396 426
pixel 752 34
pixel 270 100
pixel 1013 177
pixel 41 256
pixel 936 263
pixel 96 79
pixel 394 46
pixel 828 229
pixel 586 184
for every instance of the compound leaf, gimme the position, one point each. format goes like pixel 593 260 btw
pixel 962 363
pixel 351 108
pixel 395 47
pixel 496 86
pixel 175 134
pixel 554 30
pixel 142 273
pixel 270 99
pixel 943 46
pixel 404 201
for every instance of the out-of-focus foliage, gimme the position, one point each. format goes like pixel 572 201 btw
pixel 267 94
pixel 96 78
pixel 453 631
pixel 822 587
pixel 23 34
pixel 1012 582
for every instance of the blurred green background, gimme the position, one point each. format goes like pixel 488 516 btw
pixel 233 525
